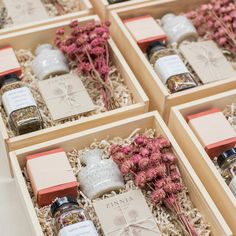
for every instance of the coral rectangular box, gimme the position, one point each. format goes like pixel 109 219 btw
pixel 197 155
pixel 160 98
pixel 30 39
pixel 85 8
pixel 8 63
pixel 51 176
pixel 213 131
pixel 145 30
pixel 103 8
pixel 123 129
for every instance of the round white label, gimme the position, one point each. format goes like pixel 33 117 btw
pixel 85 228
pixel 17 99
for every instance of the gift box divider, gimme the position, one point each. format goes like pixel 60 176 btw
pixel 160 98
pixel 198 157
pixel 122 128
pixel 85 6
pixel 29 39
pixel 103 8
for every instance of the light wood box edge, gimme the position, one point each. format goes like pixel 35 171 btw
pixel 103 8
pixel 197 156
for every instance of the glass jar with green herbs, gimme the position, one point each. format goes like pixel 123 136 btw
pixel 70 219
pixel 170 68
pixel 19 105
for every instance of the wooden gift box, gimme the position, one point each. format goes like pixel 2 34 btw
pixel 197 156
pixel 123 128
pixel 160 98
pixel 86 9
pixel 103 8
pixel 29 39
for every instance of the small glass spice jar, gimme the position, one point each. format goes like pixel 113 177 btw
pixel 70 219
pixel 227 163
pixel 170 68
pixel 20 106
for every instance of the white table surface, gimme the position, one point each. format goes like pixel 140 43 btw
pixel 13 221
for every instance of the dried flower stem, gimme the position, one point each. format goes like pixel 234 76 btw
pixel 58 6
pixel 217 21
pixel 88 47
pixel 228 29
pixel 152 166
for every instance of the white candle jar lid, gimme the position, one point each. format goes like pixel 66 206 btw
pixel 178 28
pixel 49 62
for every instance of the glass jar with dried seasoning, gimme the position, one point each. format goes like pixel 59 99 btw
pixel 70 219
pixel 20 106
pixel 227 163
pixel 170 68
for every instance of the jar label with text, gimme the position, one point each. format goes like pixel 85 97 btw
pixel 169 66
pixel 85 228
pixel 232 186
pixel 17 99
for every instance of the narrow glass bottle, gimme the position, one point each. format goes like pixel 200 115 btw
pixel 227 162
pixel 99 176
pixel 20 106
pixel 170 68
pixel 70 219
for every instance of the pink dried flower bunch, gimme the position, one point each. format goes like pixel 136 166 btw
pixel 217 21
pixel 87 46
pixel 153 167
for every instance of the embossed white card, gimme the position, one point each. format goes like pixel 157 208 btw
pixel 65 96
pixel 25 11
pixel 119 215
pixel 208 61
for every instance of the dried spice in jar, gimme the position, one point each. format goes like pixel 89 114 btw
pixel 227 163
pixel 170 68
pixel 20 106
pixel 70 219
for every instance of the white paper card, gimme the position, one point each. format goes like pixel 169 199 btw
pixel 25 11
pixel 208 61
pixel 65 96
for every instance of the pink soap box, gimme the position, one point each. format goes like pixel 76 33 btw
pixel 213 131
pixel 51 176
